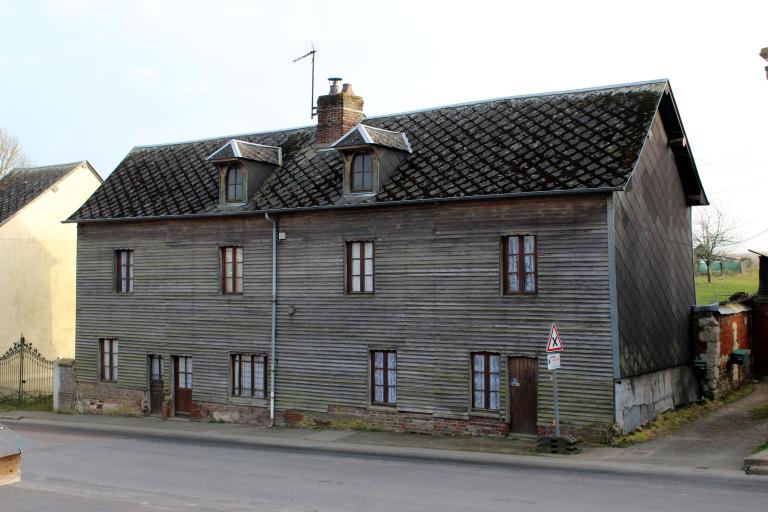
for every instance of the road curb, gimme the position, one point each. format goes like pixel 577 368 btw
pixel 555 463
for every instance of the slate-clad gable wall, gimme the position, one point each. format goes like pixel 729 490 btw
pixel 437 299
pixel 654 263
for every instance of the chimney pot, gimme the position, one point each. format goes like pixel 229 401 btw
pixel 337 112
pixel 334 82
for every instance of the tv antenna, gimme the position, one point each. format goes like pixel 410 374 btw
pixel 312 108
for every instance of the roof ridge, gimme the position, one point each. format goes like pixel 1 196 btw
pixel 42 167
pixel 230 137
pixel 519 97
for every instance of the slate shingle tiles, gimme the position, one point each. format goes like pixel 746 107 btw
pixel 22 185
pixel 568 141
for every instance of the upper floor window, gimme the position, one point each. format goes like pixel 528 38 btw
pixel 249 375
pixel 232 270
pixel 485 381
pixel 124 271
pixel 519 264
pixel 108 357
pixel 361 175
pixel 359 267
pixel 234 184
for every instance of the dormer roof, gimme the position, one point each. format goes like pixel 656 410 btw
pixel 240 149
pixel 370 135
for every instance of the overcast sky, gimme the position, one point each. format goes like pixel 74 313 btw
pixel 82 79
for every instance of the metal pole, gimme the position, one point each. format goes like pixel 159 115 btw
pixel 274 321
pixel 21 370
pixel 557 411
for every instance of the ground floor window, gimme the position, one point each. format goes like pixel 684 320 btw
pixel 108 353
pixel 485 381
pixel 384 377
pixel 249 375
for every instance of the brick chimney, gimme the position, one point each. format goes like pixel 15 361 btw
pixel 337 112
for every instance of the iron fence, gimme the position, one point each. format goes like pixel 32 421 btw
pixel 25 375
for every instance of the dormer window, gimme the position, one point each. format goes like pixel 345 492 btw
pixel 234 184
pixel 362 173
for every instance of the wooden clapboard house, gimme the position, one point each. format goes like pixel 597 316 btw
pixel 419 260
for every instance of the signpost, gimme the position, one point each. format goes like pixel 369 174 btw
pixel 554 347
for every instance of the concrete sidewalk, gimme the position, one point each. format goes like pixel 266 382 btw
pixel 716 443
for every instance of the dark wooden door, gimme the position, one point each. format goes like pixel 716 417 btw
pixel 182 384
pixel 523 392
pixel 760 339
pixel 156 383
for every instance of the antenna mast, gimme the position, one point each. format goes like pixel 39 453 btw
pixel 312 107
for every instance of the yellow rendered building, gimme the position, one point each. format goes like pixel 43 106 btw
pixel 38 255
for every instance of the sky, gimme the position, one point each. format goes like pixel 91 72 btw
pixel 85 79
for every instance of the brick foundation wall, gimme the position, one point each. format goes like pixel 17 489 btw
pixel 716 336
pixel 107 398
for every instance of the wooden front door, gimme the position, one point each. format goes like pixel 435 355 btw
pixel 760 339
pixel 182 384
pixel 156 382
pixel 523 392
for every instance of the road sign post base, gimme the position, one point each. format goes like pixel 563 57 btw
pixel 566 445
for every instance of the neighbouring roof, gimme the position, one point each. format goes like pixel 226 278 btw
pixel 21 186
pixel 586 140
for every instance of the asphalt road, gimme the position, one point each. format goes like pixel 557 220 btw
pixel 65 470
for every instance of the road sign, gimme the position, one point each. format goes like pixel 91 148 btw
pixel 553 361
pixel 555 344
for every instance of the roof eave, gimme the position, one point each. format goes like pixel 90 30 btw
pixel 405 202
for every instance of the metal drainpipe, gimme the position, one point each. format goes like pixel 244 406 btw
pixel 274 321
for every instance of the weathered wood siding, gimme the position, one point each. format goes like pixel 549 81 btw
pixel 437 300
pixel 654 263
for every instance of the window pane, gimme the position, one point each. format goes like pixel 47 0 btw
pixel 356 285
pixel 530 284
pixel 378 359
pixel 479 382
pixel 514 283
pixel 247 369
pixel 239 254
pixel 355 267
pixel 239 285
pixel 529 244
pixel 378 393
pixel 378 377
pixel 369 283
pixel 369 249
pixel 479 400
pixel 392 360
pixel 356 250
pixel 513 245
pixel 367 181
pixel 369 267
pixel 392 377
pixel 493 363
pixel 494 400
pixel 529 263
pixel 260 380
pixel 392 395
pixel 479 362
pixel 494 382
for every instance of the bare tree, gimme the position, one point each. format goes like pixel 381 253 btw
pixel 11 154
pixel 714 234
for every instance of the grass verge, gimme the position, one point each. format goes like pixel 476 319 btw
pixel 42 403
pixel 673 420
pixel 724 286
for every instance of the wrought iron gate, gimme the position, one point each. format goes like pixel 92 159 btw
pixel 25 375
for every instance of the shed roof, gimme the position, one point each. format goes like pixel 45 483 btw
pixel 564 142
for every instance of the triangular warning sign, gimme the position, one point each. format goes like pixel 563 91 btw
pixel 555 344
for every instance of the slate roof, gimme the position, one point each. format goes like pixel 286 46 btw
pixel 247 150
pixel 22 185
pixel 558 142
pixel 362 134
